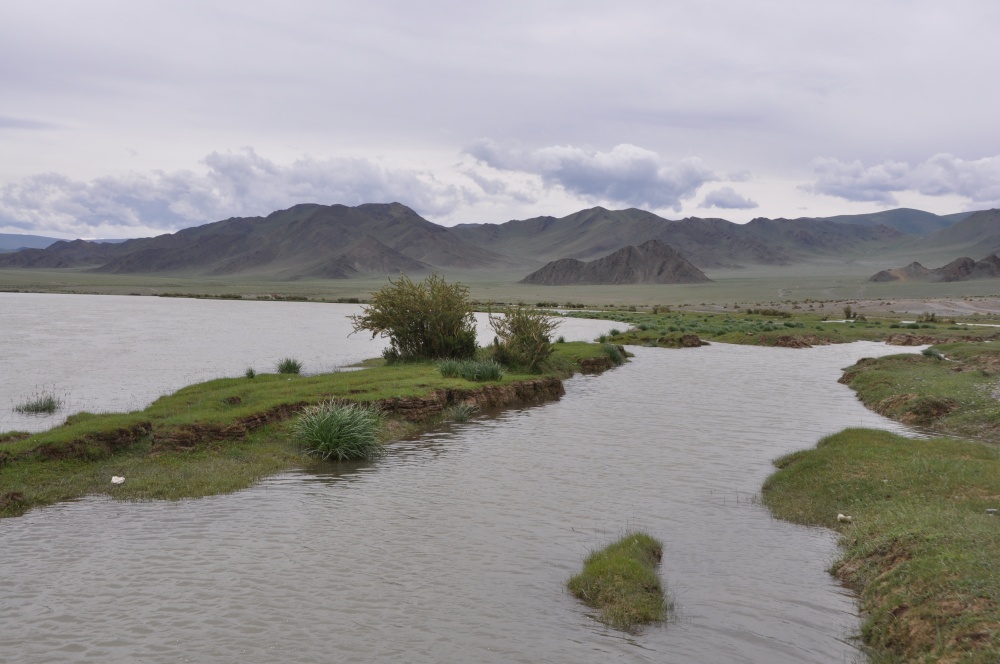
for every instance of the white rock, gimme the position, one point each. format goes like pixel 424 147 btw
pixel 845 519
pixel 117 480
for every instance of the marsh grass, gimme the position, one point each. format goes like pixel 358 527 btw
pixel 474 370
pixel 613 353
pixel 922 548
pixel 250 373
pixel 288 365
pixel 40 404
pixel 622 582
pixel 341 432
pixel 461 412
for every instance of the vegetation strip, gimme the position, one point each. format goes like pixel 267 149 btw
pixel 919 532
pixel 621 580
pixel 226 434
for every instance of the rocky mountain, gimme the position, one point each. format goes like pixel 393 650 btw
pixel 904 220
pixel 976 234
pixel 960 269
pixel 15 242
pixel 652 262
pixel 305 241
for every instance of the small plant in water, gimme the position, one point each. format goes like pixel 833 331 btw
pixel 251 373
pixel 462 412
pixel 341 432
pixel 613 353
pixel 40 404
pixel 289 366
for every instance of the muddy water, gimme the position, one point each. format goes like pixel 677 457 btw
pixel 104 353
pixel 456 547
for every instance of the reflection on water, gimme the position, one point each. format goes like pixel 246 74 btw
pixel 457 545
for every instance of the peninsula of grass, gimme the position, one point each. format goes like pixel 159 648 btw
pixel 622 582
pixel 222 435
pixel 922 547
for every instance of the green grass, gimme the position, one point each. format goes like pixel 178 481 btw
pixel 621 581
pixel 341 432
pixel 288 365
pixel 213 437
pixel 40 404
pixel 922 549
pixel 474 370
pixel 613 353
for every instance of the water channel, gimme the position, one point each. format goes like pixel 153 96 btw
pixel 457 546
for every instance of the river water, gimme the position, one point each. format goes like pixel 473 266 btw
pixel 457 545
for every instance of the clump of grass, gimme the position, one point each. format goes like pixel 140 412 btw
pixel 560 339
pixel 613 353
pixel 462 412
pixel 341 432
pixel 289 365
pixel 251 373
pixel 40 404
pixel 474 370
pixel 622 582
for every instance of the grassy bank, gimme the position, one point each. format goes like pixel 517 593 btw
pixel 621 581
pixel 921 549
pixel 953 389
pixel 226 434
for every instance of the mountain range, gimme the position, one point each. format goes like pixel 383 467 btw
pixel 313 241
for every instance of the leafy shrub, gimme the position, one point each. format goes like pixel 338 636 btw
pixel 289 365
pixel 523 337
pixel 341 432
pixel 475 370
pixel 431 319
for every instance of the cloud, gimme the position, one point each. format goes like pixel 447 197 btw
pixel 727 199
pixel 941 175
pixel 627 174
pixel 240 183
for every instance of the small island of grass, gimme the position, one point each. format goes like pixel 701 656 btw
pixel 621 581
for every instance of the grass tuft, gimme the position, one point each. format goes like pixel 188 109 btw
pixel 622 582
pixel 251 373
pixel 341 432
pixel 289 365
pixel 40 404
pixel 474 370
pixel 462 412
pixel 613 353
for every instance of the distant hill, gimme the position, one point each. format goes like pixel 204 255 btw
pixel 960 269
pixel 305 241
pixel 976 234
pixel 707 243
pixel 904 220
pixel 652 262
pixel 15 242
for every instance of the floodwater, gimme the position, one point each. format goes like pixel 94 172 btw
pixel 105 353
pixel 456 547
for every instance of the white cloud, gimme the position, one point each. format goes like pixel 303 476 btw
pixel 941 175
pixel 240 183
pixel 727 199
pixel 627 174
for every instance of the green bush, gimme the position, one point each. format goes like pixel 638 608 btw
pixel 431 319
pixel 250 373
pixel 523 337
pixel 289 365
pixel 341 432
pixel 613 353
pixel 475 370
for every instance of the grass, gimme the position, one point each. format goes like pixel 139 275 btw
pixel 341 432
pixel 613 353
pixel 250 373
pixel 474 370
pixel 212 437
pixel 288 365
pixel 40 404
pixel 461 412
pixel 922 548
pixel 621 581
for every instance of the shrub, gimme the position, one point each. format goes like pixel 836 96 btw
pixel 475 370
pixel 40 404
pixel 341 432
pixel 289 365
pixel 523 337
pixel 251 373
pixel 431 319
pixel 561 339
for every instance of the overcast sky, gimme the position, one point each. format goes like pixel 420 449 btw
pixel 134 118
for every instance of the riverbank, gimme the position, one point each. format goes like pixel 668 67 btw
pixel 224 435
pixel 919 530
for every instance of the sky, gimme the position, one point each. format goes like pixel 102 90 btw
pixel 135 118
